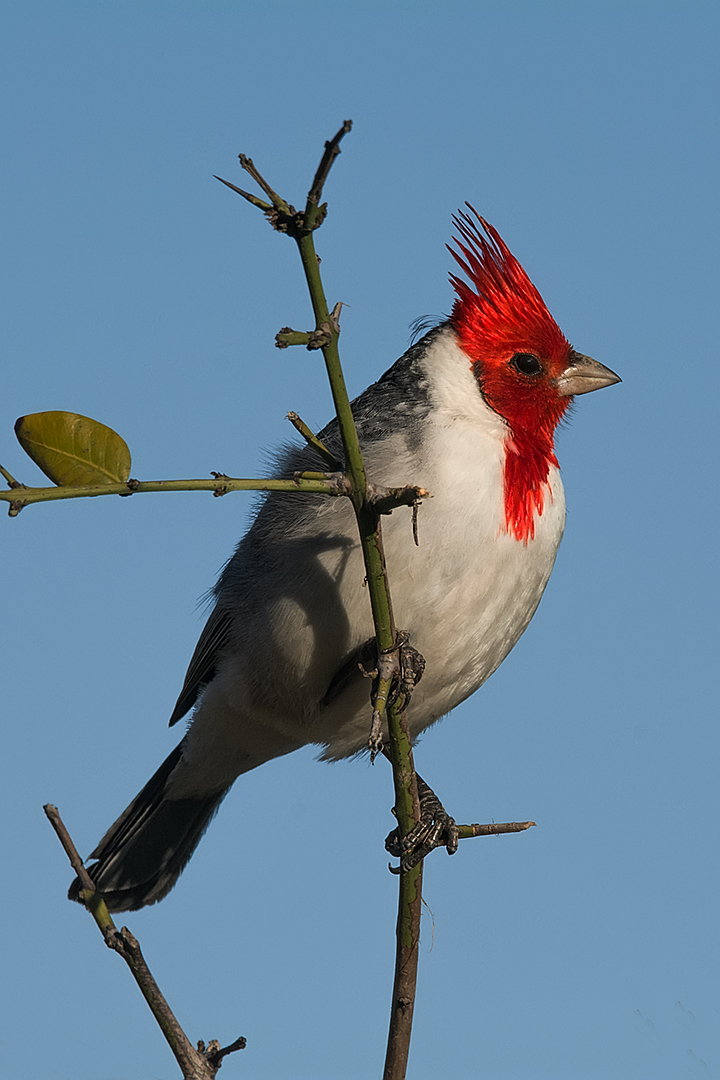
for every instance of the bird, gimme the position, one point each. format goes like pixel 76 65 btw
pixel 469 413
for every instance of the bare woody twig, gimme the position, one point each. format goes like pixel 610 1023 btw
pixel 385 500
pixel 466 832
pixel 312 440
pixel 332 149
pixel 200 1064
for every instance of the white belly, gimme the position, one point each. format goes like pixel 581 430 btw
pixel 465 594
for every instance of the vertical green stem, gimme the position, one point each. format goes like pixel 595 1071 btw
pixel 353 458
pixel 368 521
pixel 407 806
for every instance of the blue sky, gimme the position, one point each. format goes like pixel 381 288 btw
pixel 137 290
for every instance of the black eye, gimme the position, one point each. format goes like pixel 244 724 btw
pixel 526 363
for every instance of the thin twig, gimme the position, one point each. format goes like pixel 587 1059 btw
pixel 312 440
pixel 194 1064
pixel 287 337
pixel 466 832
pixel 12 482
pixel 215 1056
pixel 220 485
pixel 246 195
pixel 385 500
pixel 53 815
pixel 279 203
pixel 332 149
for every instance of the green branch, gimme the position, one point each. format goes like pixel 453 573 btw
pixel 287 337
pixel 300 226
pixel 22 496
pixel 12 482
pixel 466 832
pixel 312 440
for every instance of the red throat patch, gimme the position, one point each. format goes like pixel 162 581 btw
pixel 500 317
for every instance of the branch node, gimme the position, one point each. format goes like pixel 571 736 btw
pixel 320 336
pixel 220 491
pixel 384 500
pixel 215 1054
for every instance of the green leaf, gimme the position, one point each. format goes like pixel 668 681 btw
pixel 74 451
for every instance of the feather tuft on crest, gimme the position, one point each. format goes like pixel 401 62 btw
pixel 500 309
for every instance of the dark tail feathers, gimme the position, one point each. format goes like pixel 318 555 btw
pixel 143 854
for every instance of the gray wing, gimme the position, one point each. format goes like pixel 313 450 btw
pixel 403 388
pixel 201 669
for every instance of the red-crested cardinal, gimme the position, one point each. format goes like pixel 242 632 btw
pixel 470 413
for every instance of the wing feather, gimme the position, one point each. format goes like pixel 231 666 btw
pixel 201 668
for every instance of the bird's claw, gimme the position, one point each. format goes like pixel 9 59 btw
pixel 375 742
pixel 412 666
pixel 405 666
pixel 435 829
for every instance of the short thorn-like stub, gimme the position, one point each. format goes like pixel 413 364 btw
pixel 584 374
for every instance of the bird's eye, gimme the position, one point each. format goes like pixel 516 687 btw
pixel 526 363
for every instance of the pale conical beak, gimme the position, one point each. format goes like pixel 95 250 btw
pixel 584 374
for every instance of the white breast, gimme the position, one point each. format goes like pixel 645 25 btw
pixel 465 595
pixel 469 590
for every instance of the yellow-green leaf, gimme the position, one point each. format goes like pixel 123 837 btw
pixel 74 451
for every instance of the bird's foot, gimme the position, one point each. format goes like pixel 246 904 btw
pixel 435 829
pixel 404 665
pixel 412 666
